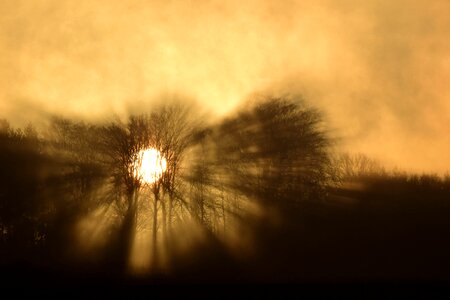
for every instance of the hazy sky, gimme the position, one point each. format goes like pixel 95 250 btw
pixel 380 70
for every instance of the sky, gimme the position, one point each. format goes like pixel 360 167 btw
pixel 379 70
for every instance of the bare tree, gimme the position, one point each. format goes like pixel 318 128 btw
pixel 168 129
pixel 276 150
pixel 352 166
pixel 273 154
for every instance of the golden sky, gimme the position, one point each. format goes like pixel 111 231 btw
pixel 379 70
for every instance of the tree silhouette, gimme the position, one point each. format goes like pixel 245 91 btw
pixel 23 205
pixel 275 151
pixel 271 155
pixel 259 166
pixel 352 166
pixel 168 129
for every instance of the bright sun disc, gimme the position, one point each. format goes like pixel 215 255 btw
pixel 152 165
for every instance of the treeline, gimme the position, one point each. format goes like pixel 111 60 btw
pixel 267 157
pixel 373 177
pixel 264 177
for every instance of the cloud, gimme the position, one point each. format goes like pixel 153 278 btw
pixel 377 69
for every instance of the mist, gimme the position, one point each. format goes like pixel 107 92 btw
pixel 377 69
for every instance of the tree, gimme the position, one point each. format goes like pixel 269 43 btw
pixel 23 220
pixel 168 128
pixel 267 160
pixel 357 166
pixel 277 151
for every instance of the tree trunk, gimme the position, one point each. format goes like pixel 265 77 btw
pixel 164 219
pixel 127 231
pixel 169 215
pixel 155 229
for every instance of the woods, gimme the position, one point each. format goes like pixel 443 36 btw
pixel 259 184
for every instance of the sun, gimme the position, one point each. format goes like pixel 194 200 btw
pixel 151 165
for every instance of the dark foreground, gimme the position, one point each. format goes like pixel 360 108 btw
pixel 354 237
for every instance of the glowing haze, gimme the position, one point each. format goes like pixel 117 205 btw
pixel 378 69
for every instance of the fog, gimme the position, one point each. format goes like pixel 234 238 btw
pixel 377 69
